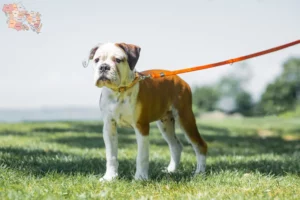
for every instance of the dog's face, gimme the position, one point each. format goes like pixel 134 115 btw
pixel 114 64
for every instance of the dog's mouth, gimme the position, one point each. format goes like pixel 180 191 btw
pixel 103 80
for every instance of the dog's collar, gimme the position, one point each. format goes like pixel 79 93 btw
pixel 138 77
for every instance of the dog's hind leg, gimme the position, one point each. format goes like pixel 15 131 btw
pixel 166 126
pixel 187 122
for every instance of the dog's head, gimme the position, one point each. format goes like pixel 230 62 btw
pixel 113 64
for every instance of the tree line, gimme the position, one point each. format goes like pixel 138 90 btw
pixel 229 94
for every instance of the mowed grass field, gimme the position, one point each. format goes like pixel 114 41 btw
pixel 257 158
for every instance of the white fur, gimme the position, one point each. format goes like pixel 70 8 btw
pixel 121 109
pixel 117 108
pixel 110 137
pixel 107 53
pixel 167 129
pixel 142 159
pixel 201 160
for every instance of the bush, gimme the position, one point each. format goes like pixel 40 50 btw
pixel 206 98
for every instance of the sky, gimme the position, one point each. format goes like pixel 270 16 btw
pixel 45 70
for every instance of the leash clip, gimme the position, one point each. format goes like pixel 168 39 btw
pixel 144 77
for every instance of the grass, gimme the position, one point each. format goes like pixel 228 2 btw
pixel 248 159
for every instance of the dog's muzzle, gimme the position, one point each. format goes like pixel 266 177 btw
pixel 104 68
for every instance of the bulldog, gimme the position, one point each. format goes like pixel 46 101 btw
pixel 129 99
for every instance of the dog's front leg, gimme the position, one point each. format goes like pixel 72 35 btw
pixel 142 160
pixel 110 137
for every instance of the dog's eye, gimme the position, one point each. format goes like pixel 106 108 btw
pixel 96 60
pixel 118 60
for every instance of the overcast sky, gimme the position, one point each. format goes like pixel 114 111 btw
pixel 45 69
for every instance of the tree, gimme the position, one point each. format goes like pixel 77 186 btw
pixel 206 97
pixel 284 93
pixel 291 74
pixel 244 103
pixel 279 96
pixel 228 94
pixel 234 97
pixel 236 80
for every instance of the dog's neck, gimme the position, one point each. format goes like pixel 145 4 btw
pixel 119 97
pixel 128 79
pixel 131 80
pixel 123 89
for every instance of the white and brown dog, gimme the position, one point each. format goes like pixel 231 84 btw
pixel 127 101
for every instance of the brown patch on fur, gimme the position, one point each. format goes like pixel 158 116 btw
pixel 92 52
pixel 143 128
pixel 132 51
pixel 156 96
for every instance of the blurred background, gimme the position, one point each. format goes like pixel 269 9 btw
pixel 42 78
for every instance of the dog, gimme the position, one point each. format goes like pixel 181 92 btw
pixel 131 100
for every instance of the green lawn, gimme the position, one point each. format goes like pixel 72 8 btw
pixel 255 158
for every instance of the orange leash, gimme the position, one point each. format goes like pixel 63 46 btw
pixel 230 61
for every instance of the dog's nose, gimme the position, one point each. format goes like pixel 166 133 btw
pixel 104 67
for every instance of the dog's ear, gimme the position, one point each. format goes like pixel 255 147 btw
pixel 133 53
pixel 91 55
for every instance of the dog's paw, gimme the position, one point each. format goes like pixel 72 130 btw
pixel 200 170
pixel 201 164
pixel 168 170
pixel 171 168
pixel 108 177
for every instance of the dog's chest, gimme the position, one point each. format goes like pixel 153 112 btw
pixel 123 114
pixel 120 108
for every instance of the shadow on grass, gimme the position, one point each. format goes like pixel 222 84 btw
pixel 91 142
pixel 75 127
pixel 13 133
pixel 266 167
pixel 223 131
pixel 80 127
pixel 296 130
pixel 251 145
pixel 40 162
